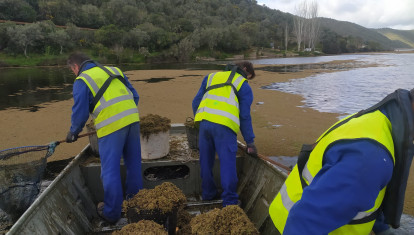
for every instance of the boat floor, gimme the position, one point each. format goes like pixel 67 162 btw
pixel 194 207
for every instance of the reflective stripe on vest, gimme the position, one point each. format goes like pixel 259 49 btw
pixel 374 126
pixel 221 105
pixel 116 108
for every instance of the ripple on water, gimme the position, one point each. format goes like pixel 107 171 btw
pixel 347 92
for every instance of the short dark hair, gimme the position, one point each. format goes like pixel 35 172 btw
pixel 77 58
pixel 249 67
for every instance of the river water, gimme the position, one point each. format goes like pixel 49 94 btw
pixel 27 88
pixel 343 92
pixel 349 91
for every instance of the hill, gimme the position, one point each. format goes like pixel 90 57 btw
pixel 172 30
pixel 346 29
pixel 404 36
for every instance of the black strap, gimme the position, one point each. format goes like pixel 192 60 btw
pixel 367 219
pixel 227 83
pixel 307 149
pixel 303 159
pixel 105 86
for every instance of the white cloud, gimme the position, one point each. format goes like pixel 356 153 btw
pixel 396 14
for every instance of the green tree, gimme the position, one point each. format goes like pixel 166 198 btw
pixel 121 12
pixel 4 37
pixel 60 12
pixel 136 38
pixel 251 30
pixel 25 36
pixel 159 38
pixel 211 37
pixel 90 16
pixel 183 50
pixel 109 35
pixel 330 43
pixel 233 40
pixel 18 10
pixel 78 36
pixel 60 38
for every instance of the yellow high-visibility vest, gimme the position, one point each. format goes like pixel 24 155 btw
pixel 221 105
pixel 374 126
pixel 116 108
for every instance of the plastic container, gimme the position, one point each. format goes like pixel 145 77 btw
pixel 155 145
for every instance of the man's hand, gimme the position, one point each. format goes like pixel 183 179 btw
pixel 252 150
pixel 71 137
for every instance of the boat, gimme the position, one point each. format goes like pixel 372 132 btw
pixel 68 204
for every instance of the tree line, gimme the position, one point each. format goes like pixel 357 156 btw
pixel 165 28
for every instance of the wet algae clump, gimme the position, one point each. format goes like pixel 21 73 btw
pixel 153 124
pixel 165 198
pixel 229 220
pixel 143 227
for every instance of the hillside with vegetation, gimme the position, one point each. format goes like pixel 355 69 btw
pixel 405 36
pixel 364 35
pixel 167 30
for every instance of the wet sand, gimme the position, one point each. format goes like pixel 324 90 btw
pixel 280 125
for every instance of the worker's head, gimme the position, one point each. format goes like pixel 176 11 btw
pixel 248 68
pixel 75 61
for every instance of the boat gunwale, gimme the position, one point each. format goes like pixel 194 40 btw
pixel 34 206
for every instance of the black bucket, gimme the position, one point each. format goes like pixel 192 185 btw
pixel 192 133
pixel 168 220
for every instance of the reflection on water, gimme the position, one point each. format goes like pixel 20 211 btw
pixel 309 60
pixel 346 92
pixel 28 88
pixel 300 67
pixel 153 80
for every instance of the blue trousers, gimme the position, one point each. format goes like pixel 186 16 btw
pixel 221 139
pixel 124 142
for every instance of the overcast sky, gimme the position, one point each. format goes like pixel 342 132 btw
pixel 395 14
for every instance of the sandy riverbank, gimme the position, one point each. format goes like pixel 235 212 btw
pixel 280 125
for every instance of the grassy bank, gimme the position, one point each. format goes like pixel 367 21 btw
pixel 131 56
pixel 19 60
pixel 7 60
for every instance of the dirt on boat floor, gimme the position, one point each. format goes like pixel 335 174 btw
pixel 281 126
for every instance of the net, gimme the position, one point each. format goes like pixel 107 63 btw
pixel 21 171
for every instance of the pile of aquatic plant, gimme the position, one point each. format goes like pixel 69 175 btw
pixel 153 124
pixel 143 227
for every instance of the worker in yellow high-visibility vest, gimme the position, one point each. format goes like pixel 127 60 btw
pixel 222 107
pixel 353 179
pixel 106 94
